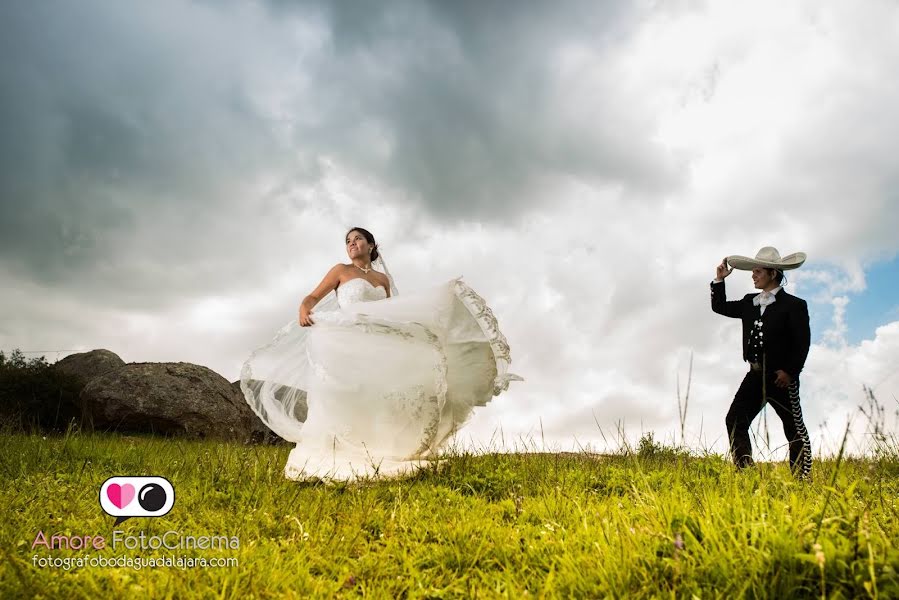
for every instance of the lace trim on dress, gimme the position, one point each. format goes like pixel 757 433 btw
pixel 485 318
pixel 418 331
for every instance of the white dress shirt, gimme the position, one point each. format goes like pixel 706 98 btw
pixel 765 298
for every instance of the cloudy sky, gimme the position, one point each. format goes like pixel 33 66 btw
pixel 175 176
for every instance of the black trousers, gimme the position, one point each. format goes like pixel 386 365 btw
pixel 748 403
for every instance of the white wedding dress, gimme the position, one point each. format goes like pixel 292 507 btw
pixel 377 384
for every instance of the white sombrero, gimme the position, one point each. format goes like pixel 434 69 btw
pixel 767 258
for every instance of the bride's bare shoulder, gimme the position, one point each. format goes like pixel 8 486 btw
pixel 338 273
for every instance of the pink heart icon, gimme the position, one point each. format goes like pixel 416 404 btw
pixel 120 495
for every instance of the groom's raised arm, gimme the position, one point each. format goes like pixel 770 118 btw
pixel 719 296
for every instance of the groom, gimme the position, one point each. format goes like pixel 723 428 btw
pixel 776 340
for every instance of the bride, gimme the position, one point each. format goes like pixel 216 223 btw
pixel 373 383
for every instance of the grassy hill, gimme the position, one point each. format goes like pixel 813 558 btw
pixel 648 523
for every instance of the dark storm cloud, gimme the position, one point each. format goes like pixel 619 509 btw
pixel 129 129
pixel 472 104
pixel 113 119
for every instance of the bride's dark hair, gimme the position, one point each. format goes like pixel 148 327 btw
pixel 368 238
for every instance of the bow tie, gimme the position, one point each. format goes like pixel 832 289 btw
pixel 764 299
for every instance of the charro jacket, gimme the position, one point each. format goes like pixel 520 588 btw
pixel 782 333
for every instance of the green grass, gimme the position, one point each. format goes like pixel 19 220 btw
pixel 655 523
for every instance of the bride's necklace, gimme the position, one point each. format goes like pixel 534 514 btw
pixel 365 270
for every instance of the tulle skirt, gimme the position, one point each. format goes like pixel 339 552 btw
pixel 376 388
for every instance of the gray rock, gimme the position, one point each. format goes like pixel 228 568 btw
pixel 87 365
pixel 170 398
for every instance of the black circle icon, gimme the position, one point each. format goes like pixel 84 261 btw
pixel 151 497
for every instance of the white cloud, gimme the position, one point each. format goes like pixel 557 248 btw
pixel 585 179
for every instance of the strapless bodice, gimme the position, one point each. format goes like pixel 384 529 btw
pixel 359 290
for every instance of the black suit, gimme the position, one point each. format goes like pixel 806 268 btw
pixel 777 340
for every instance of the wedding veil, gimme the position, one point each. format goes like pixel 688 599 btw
pixel 386 271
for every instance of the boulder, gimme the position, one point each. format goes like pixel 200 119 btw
pixel 170 399
pixel 87 365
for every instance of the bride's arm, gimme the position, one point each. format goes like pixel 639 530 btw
pixel 328 284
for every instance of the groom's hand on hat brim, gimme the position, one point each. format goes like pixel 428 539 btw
pixel 723 270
